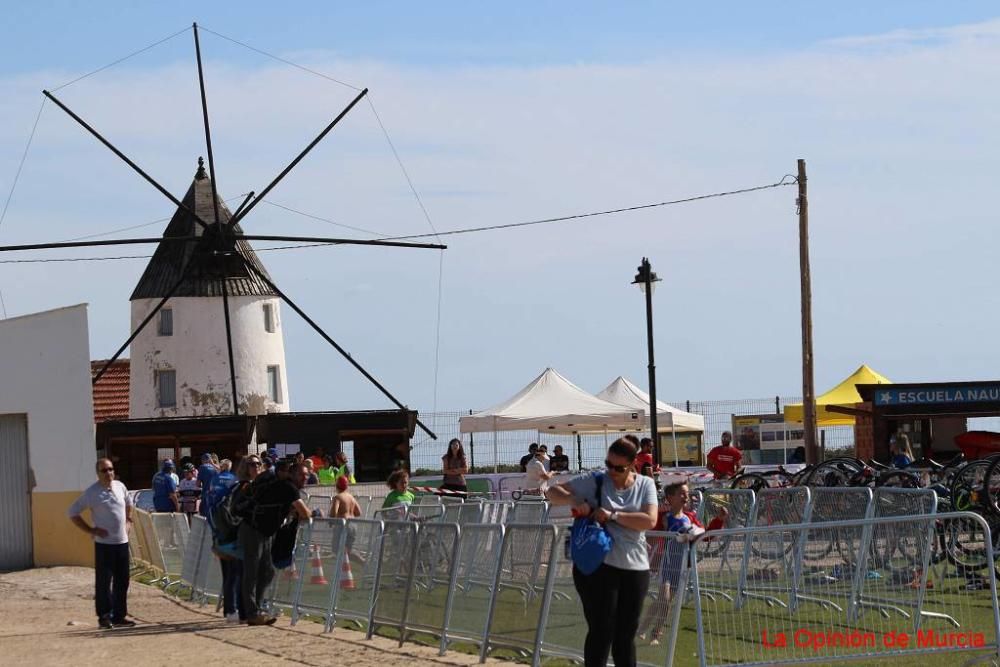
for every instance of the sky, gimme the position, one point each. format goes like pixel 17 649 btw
pixel 502 113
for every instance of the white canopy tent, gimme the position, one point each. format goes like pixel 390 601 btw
pixel 552 404
pixel 668 418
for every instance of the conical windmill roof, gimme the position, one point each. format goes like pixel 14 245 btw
pixel 170 260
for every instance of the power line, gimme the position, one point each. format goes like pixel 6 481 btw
pixel 322 219
pixel 788 179
pixel 145 224
pixel 785 180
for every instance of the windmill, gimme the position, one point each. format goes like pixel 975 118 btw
pixel 216 251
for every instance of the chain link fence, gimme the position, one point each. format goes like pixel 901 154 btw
pixel 504 449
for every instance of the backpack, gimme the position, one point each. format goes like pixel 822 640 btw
pixel 265 518
pixel 224 518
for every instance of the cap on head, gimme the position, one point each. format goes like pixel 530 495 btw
pixel 168 464
pixel 273 453
pixel 205 458
pixel 188 467
pixel 342 483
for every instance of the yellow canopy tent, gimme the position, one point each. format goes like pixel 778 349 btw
pixel 844 395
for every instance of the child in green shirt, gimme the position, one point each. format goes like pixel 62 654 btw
pixel 399 495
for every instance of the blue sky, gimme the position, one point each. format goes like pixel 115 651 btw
pixel 53 34
pixel 503 113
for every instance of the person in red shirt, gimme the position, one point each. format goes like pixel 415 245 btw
pixel 724 460
pixel 645 455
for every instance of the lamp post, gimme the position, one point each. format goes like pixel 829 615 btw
pixel 646 279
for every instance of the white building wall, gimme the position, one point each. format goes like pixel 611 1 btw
pixel 197 353
pixel 45 372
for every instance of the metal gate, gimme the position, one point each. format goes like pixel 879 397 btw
pixel 15 509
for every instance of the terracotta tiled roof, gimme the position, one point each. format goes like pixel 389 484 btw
pixel 111 391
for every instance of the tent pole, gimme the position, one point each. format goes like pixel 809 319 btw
pixel 673 436
pixel 579 452
pixel 496 456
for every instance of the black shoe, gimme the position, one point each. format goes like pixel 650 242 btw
pixel 105 623
pixel 124 623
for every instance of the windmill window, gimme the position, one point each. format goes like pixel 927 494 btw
pixel 274 383
pixel 269 318
pixel 166 389
pixel 165 325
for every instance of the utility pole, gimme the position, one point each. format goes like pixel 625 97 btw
pixel 808 390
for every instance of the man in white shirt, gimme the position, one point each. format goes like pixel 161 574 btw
pixel 535 471
pixel 111 512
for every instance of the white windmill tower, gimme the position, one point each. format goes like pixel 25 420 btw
pixel 179 363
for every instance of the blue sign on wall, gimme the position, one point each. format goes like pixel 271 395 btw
pixel 932 395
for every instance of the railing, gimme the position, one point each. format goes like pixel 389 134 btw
pixel 786 581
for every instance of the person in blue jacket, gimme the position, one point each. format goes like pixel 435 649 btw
pixel 206 474
pixel 165 489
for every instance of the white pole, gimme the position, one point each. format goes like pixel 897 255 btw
pixel 496 455
pixel 673 435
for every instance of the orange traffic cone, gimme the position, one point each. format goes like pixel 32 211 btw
pixel 346 576
pixel 318 577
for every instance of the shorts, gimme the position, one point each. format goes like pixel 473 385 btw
pixel 673 563
pixel 352 535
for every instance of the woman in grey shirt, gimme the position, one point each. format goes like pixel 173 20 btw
pixel 612 596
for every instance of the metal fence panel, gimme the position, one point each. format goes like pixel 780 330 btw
pixel 891 617
pixel 192 554
pixel 463 513
pixel 397 564
pixel 171 530
pixel 529 511
pixel 321 550
pixel 433 585
pixel 284 589
pixel 519 603
pixel 479 553
pixel 362 547
pixel 496 511
pixel 151 544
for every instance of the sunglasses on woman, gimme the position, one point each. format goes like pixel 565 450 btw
pixel 612 467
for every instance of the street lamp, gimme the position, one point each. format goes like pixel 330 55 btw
pixel 646 279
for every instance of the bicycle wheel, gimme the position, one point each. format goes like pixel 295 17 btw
pixel 778 478
pixel 898 479
pixel 750 480
pixel 991 486
pixel 835 472
pixel 967 486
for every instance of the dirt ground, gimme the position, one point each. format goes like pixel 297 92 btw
pixel 47 618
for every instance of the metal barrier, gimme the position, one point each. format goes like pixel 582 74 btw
pixel 396 565
pixel 321 550
pixel 432 583
pixel 529 511
pixel 151 545
pixel 476 567
pixel 192 556
pixel 496 511
pixel 362 549
pixel 519 604
pixel 470 512
pixel 171 531
pixel 838 589
pixel 908 617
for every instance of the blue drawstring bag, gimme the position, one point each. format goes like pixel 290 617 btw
pixel 590 543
